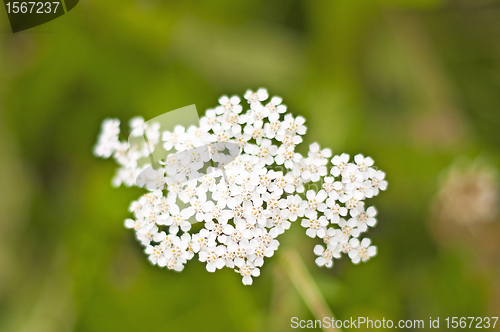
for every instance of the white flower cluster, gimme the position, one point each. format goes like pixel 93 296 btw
pixel 127 154
pixel 231 215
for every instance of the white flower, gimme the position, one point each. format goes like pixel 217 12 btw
pixel 266 151
pixel 228 256
pixel 256 97
pixel 269 241
pixel 196 207
pixel 213 257
pixel 274 128
pixel 347 230
pixel 229 105
pixel 108 139
pixel 218 230
pixel 173 139
pixel 278 184
pixel 222 194
pixel 347 247
pixel 287 156
pixel 366 219
pixel 275 105
pixel 313 172
pixel 237 233
pixel 136 125
pixel 315 200
pixel 262 249
pixel 208 183
pixel 232 123
pixel 255 213
pixel 255 131
pixel 363 163
pixel 294 205
pixel 295 125
pixel 146 233
pixel 334 211
pixel 288 139
pixel 328 185
pixel 329 239
pixel 340 164
pixel 352 178
pixel 362 251
pixel 325 256
pixel 377 179
pixel 365 190
pixel 248 271
pixel 279 222
pixel 213 211
pixel 178 219
pixel 355 206
pixel 208 121
pixel 294 181
pixel 257 113
pixel 154 252
pixel 203 239
pixel 320 157
pixel 315 226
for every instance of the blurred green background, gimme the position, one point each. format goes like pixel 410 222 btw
pixel 412 83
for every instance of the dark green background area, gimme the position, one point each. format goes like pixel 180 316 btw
pixel 412 83
pixel 70 4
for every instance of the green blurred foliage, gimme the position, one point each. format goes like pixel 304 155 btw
pixel 412 83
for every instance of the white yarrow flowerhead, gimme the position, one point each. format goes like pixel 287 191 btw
pixel 227 202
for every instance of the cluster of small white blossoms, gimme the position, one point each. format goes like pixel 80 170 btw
pixel 231 216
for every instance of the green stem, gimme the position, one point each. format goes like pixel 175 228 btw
pixel 307 288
